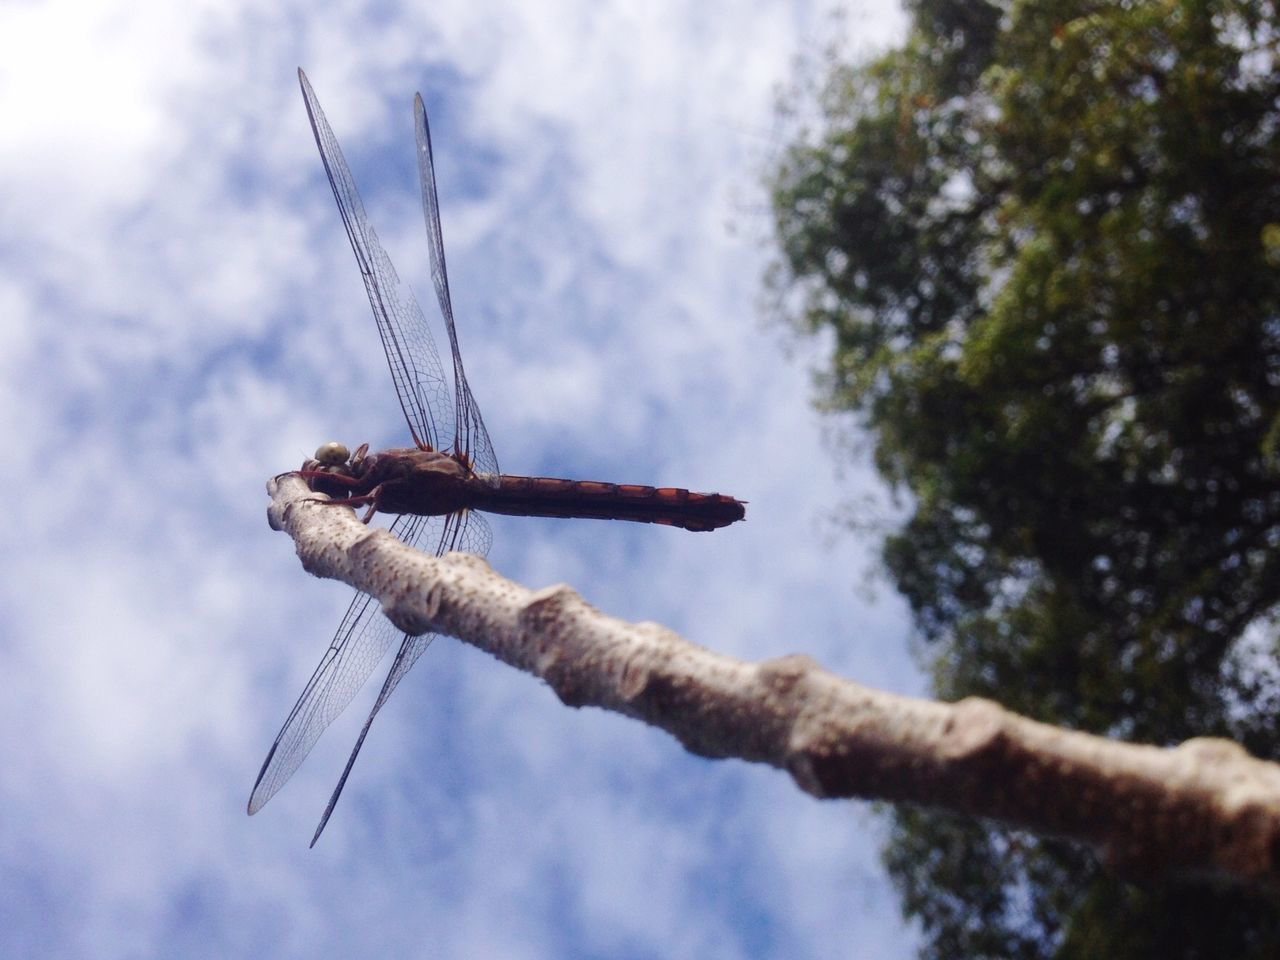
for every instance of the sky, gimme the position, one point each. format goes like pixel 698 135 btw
pixel 181 319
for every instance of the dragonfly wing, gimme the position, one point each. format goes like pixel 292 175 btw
pixel 462 531
pixel 410 649
pixel 406 339
pixel 470 436
pixel 360 643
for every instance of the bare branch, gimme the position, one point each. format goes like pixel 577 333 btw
pixel 1204 808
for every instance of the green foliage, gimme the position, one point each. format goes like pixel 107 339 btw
pixel 1046 237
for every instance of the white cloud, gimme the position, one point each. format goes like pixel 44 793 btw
pixel 180 318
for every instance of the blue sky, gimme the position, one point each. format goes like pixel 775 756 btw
pixel 181 319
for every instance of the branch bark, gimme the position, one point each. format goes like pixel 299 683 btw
pixel 1202 809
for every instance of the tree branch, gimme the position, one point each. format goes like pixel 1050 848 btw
pixel 1204 808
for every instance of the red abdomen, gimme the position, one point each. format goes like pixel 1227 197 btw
pixel 551 497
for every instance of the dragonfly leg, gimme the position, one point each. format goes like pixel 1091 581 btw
pixel 358 501
pixel 342 478
pixel 371 498
pixel 357 458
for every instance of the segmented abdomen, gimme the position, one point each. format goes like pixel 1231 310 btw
pixel 553 497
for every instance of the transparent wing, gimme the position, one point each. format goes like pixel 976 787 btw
pixel 462 531
pixel 471 438
pixel 358 646
pixel 437 420
pixel 360 643
pixel 411 352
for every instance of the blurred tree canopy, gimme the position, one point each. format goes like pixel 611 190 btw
pixel 1046 237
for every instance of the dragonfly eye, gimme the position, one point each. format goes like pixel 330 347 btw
pixel 332 454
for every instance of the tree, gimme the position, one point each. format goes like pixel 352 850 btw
pixel 1046 238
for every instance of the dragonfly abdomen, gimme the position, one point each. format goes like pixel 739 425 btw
pixel 594 499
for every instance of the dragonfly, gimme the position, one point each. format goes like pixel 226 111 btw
pixel 435 487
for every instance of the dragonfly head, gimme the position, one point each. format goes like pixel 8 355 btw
pixel 334 458
pixel 332 454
